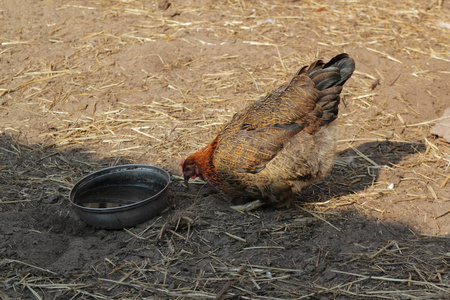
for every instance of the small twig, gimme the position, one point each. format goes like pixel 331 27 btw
pixel 385 55
pixel 253 78
pixel 382 249
pixel 134 235
pixel 396 280
pixel 365 157
pixel 35 294
pixel 441 215
pixel 235 237
pixel 26 264
pixel 229 283
pixel 409 199
pixel 320 218
pixel 427 122
pixel 444 183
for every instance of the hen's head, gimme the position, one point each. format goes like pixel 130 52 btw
pixel 190 169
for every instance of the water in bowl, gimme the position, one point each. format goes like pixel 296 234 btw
pixel 114 196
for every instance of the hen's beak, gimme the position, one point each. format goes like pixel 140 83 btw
pixel 186 179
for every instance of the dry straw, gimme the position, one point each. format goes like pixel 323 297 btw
pixel 89 101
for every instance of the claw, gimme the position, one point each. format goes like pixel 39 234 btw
pixel 248 206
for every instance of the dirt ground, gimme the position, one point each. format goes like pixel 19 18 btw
pixel 86 84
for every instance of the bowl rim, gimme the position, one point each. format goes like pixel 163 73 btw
pixel 111 170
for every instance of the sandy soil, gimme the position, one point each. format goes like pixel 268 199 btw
pixel 95 83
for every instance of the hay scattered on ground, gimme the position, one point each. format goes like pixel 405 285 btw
pixel 107 82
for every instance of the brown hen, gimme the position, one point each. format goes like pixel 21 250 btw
pixel 280 143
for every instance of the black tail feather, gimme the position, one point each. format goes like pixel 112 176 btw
pixel 345 64
pixel 334 73
pixel 329 78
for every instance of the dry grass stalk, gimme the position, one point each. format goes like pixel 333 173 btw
pixel 119 116
pixel 444 289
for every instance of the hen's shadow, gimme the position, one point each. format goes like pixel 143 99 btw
pixel 358 168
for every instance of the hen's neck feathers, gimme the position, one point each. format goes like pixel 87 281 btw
pixel 204 159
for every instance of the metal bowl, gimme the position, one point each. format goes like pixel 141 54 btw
pixel 121 196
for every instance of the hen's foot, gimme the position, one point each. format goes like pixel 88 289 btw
pixel 284 204
pixel 248 206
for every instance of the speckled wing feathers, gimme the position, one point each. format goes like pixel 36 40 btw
pixel 250 150
pixel 285 105
pixel 257 134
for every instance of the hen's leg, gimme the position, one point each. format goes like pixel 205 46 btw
pixel 248 206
